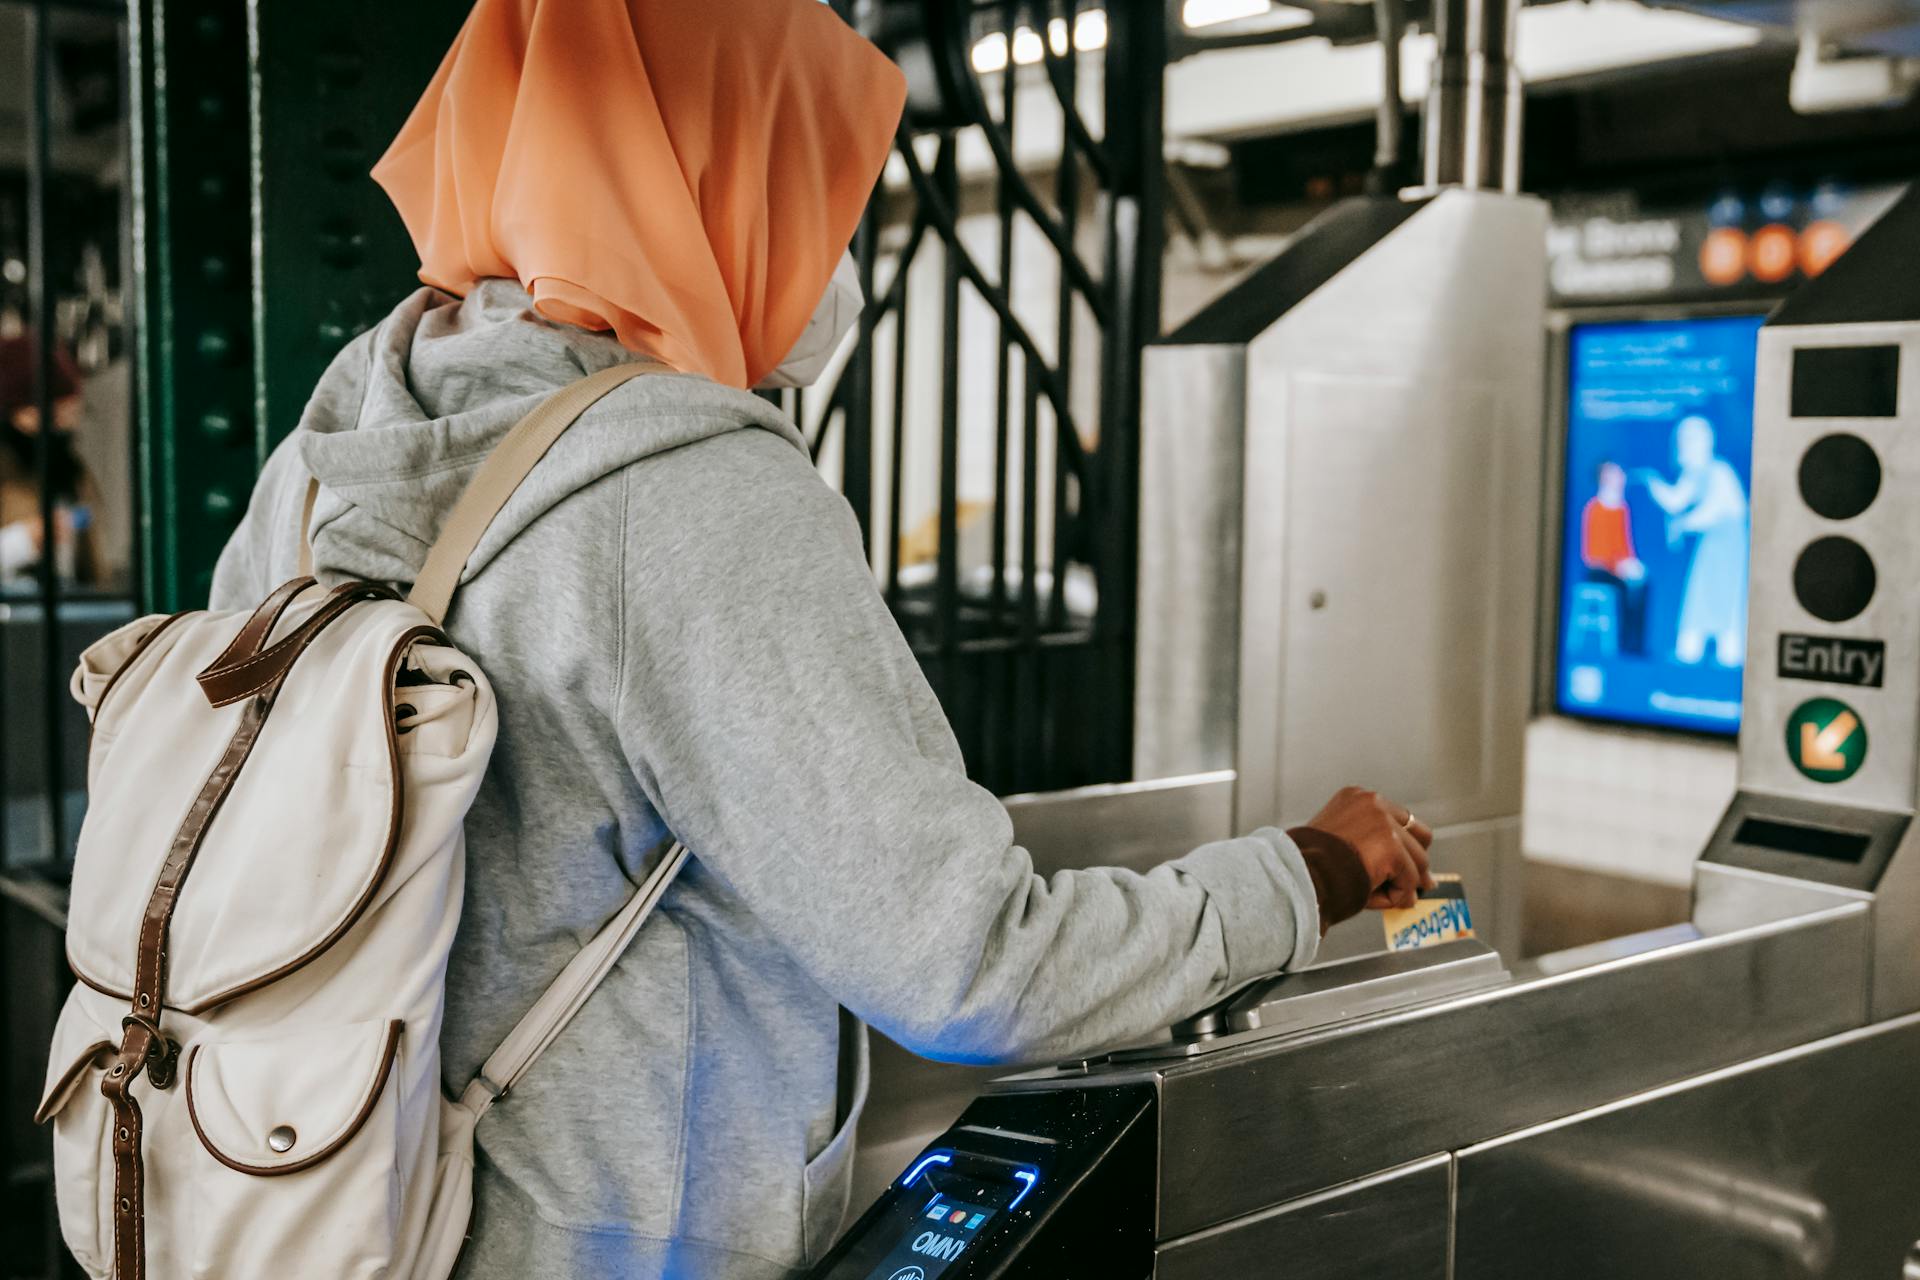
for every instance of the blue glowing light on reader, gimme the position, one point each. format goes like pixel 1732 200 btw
pixel 1027 1176
pixel 938 1157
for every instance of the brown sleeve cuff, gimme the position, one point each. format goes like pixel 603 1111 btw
pixel 1339 877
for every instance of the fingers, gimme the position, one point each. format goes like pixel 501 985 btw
pixel 1410 872
pixel 1402 817
pixel 1415 837
pixel 1392 843
pixel 1401 888
pixel 1417 851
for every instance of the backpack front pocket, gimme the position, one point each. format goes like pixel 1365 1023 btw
pixel 297 1171
pixel 82 1144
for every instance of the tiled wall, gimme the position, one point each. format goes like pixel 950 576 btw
pixel 1622 801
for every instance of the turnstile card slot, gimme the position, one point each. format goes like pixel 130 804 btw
pixel 1794 837
pixel 1366 984
pixel 1846 846
pixel 1335 992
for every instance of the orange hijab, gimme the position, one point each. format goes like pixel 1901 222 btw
pixel 684 174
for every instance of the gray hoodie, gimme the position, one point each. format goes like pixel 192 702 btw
pixel 683 635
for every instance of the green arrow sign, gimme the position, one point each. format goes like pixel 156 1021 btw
pixel 1826 740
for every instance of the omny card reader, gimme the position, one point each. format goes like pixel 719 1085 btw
pixel 1063 1188
pixel 1054 1174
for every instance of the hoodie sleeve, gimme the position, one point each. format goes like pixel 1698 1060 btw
pixel 771 708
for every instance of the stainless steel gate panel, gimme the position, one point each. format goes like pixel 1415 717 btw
pixel 1394 1224
pixel 1255 1124
pixel 1339 513
pixel 1390 538
pixel 1806 1163
pixel 1186 695
pixel 1836 472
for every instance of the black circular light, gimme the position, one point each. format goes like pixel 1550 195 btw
pixel 1840 476
pixel 1834 579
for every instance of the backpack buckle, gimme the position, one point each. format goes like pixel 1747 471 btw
pixel 163 1055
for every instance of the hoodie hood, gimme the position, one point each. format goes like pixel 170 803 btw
pixel 406 413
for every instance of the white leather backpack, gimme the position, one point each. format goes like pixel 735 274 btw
pixel 246 1080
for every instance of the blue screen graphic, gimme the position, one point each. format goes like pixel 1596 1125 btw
pixel 1653 562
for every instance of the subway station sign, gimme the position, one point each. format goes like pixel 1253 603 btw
pixel 1739 244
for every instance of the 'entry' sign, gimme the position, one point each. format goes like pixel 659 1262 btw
pixel 1833 659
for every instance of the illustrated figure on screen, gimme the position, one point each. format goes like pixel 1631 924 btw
pixel 1606 549
pixel 1709 500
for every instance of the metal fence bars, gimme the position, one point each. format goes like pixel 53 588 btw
pixel 985 425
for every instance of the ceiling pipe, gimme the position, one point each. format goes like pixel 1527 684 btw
pixel 1472 127
pixel 1391 167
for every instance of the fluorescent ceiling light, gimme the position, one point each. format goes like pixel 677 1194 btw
pixel 993 51
pixel 990 53
pixel 1090 29
pixel 1298 84
pixel 1212 13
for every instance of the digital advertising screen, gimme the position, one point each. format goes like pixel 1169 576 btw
pixel 1653 559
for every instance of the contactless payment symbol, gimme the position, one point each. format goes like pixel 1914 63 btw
pixel 1826 740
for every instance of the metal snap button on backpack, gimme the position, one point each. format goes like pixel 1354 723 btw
pixel 281 1138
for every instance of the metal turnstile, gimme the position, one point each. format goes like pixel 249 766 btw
pixel 1726 1098
pixel 1350 433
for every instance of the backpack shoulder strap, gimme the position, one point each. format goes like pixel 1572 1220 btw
pixel 560 1001
pixel 491 486
pixel 499 476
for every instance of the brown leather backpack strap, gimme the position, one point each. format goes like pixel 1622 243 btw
pixel 129 1202
pixel 260 626
pixel 229 683
pixel 146 1048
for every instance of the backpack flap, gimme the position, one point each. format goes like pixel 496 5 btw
pixel 275 1107
pixel 106 657
pixel 296 850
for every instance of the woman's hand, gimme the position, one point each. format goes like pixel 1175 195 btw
pixel 1391 842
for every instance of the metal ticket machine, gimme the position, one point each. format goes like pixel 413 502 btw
pixel 1732 1097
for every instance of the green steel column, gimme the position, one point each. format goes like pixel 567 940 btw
pixel 333 84
pixel 261 245
pixel 199 442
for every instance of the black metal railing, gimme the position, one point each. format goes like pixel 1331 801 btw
pixel 64 579
pixel 66 519
pixel 1015 593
